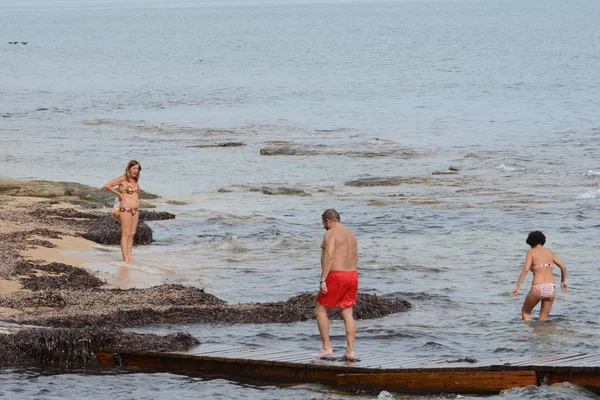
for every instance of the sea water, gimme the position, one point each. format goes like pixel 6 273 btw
pixel 506 90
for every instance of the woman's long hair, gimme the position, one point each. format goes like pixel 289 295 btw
pixel 130 164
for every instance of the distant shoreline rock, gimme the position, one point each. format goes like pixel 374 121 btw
pixel 73 192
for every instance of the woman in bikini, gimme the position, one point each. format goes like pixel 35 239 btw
pixel 540 260
pixel 128 192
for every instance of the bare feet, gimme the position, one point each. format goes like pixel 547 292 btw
pixel 348 356
pixel 324 353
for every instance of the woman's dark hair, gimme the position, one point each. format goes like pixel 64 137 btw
pixel 535 238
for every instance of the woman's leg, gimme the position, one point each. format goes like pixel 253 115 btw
pixel 125 219
pixel 133 229
pixel 545 309
pixel 533 297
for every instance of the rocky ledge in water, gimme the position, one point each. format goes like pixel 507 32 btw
pixel 74 348
pixel 400 180
pixel 167 304
pixel 268 190
pixel 224 144
pixel 97 227
pixel 72 192
pixel 366 151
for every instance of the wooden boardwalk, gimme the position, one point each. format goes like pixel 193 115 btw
pixel 371 373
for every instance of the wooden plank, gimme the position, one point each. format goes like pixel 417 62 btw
pixel 395 365
pixel 415 375
pixel 215 347
pixel 299 356
pixel 423 363
pixel 556 360
pixel 389 366
pixel 593 360
pixel 219 350
pixel 268 355
pixel 586 379
pixel 579 360
pixel 448 382
pixel 545 360
pixel 373 361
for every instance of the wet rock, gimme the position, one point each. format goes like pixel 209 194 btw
pixel 147 215
pixel 444 173
pixel 286 151
pixel 393 181
pixel 176 202
pixel 74 348
pixel 51 189
pixel 286 191
pixel 374 181
pixel 105 230
pixel 393 153
pixel 278 142
pixel 225 144
pixel 145 204
pixel 455 168
pixel 223 190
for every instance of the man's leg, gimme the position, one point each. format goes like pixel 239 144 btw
pixel 323 324
pixel 350 330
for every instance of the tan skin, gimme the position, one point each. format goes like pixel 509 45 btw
pixel 128 221
pixel 539 255
pixel 339 252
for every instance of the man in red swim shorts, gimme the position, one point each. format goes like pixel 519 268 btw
pixel 339 281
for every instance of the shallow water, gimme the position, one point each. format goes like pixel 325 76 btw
pixel 507 90
pixel 31 384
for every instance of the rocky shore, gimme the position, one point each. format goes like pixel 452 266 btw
pixel 78 310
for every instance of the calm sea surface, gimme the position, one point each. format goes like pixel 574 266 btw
pixel 507 90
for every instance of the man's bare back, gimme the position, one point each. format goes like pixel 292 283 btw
pixel 339 249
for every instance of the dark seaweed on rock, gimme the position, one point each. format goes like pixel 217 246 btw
pixel 176 304
pixel 147 215
pixel 42 243
pixel 44 213
pixel 74 348
pixel 368 306
pixel 21 236
pixel 78 279
pixel 41 298
pixel 105 230
pixel 62 276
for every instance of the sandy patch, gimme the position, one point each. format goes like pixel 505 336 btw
pixel 8 286
pixel 56 254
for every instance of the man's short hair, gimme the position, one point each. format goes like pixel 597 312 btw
pixel 331 215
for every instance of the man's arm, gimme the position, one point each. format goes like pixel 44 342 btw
pixel 327 254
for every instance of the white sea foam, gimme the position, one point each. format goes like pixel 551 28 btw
pixel 507 168
pixel 230 243
pixel 592 194
pixel 138 267
pixel 592 173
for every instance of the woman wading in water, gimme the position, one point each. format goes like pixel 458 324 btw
pixel 128 193
pixel 539 261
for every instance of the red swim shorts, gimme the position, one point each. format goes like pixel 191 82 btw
pixel 342 287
